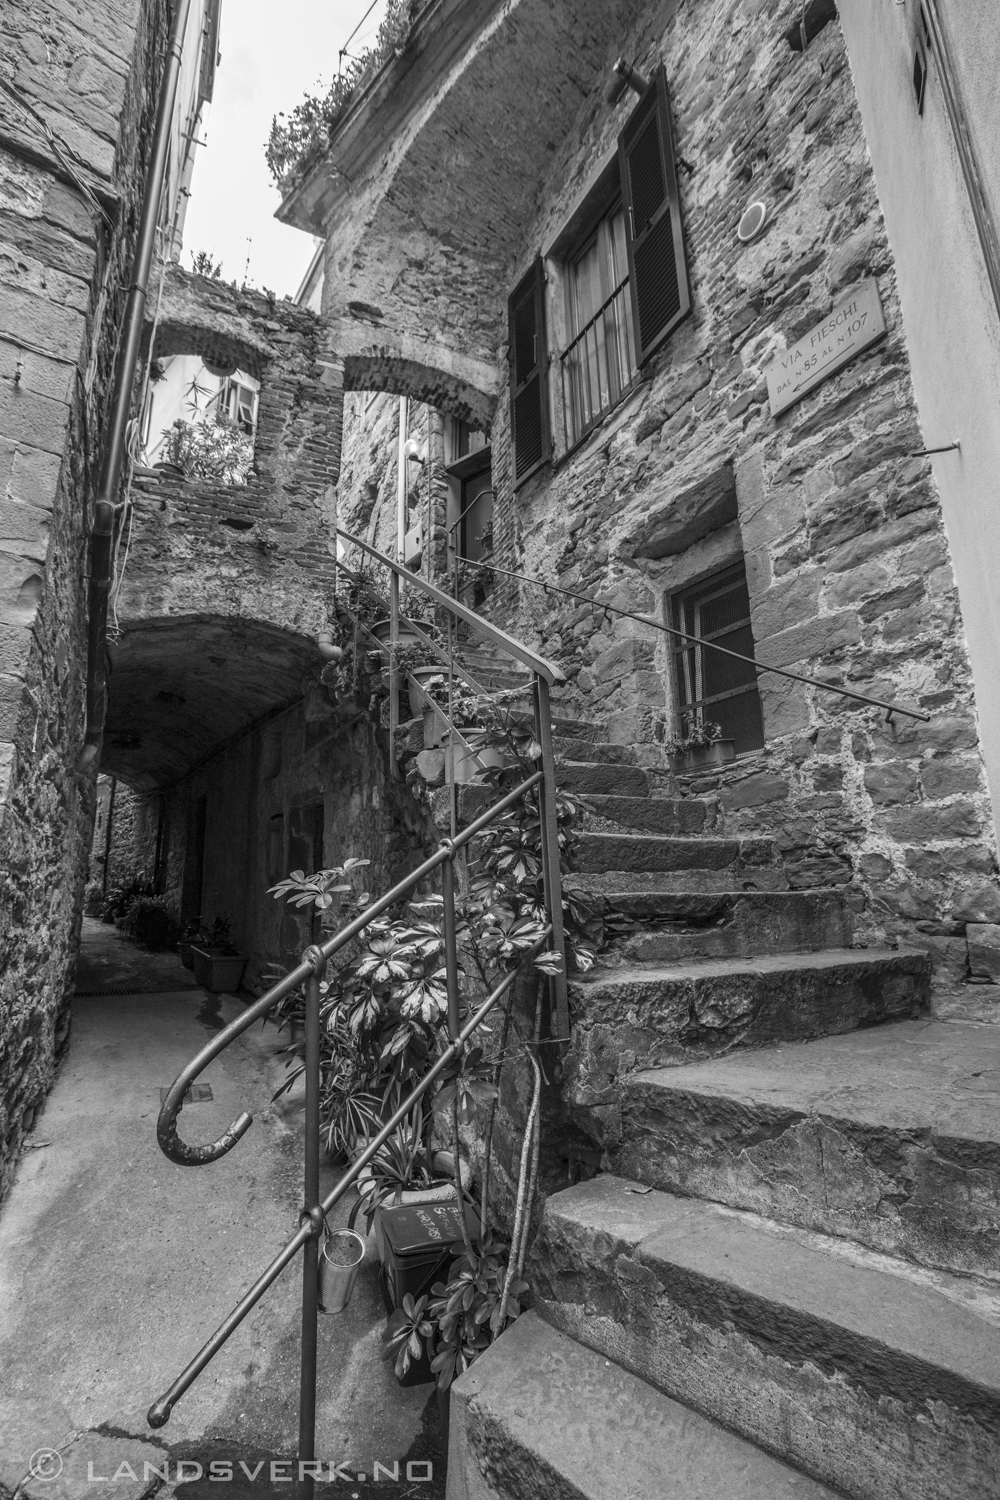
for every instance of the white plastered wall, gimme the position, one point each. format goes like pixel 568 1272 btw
pixel 950 319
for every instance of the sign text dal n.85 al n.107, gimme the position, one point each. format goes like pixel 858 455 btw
pixel 852 326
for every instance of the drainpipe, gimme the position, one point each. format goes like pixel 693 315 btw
pixel 107 836
pixel 105 507
pixel 958 119
pixel 404 419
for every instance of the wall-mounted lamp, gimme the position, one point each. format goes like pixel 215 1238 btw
pixel 624 76
pixel 414 452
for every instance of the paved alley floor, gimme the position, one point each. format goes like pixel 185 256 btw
pixel 116 1266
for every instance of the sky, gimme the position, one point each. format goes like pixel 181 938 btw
pixel 272 54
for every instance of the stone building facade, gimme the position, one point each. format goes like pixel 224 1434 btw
pixel 600 237
pixel 79 96
pixel 837 526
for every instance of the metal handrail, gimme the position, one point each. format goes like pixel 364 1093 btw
pixel 166 1126
pixel 627 614
pixel 309 973
pixel 543 668
pixel 315 1208
pixel 544 674
pixel 159 1412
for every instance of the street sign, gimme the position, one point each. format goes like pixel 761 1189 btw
pixel 853 325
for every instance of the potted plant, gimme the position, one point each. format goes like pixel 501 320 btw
pixel 703 745
pixel 218 965
pixel 193 933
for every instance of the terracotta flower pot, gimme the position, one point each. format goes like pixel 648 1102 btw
pixel 218 971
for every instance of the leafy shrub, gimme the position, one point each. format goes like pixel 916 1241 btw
pixel 295 145
pixel 214 449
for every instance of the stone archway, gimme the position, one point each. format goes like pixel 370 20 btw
pixel 183 687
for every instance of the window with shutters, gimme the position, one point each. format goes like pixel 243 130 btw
pixel 620 277
pixel 711 686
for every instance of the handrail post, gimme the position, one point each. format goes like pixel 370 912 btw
pixel 551 873
pixel 450 945
pixel 313 1213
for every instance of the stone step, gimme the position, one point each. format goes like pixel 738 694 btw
pixel 875 1377
pixel 590 778
pixel 678 928
pixel 587 730
pixel 630 1019
pixel 671 815
pixel 540 1417
pixel 601 852
pixel 889 1136
pixel 591 752
pixel 730 879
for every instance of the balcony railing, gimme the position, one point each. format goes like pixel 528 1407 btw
pixel 599 365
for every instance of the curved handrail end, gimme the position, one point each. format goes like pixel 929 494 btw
pixel 184 1155
pixel 159 1413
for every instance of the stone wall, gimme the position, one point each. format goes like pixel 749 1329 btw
pixel 92 75
pixel 847 559
pixel 127 836
pixel 305 791
pixel 840 527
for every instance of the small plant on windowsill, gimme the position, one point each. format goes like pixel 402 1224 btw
pixel 703 745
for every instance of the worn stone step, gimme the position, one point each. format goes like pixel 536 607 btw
pixel 590 778
pixel 681 927
pixel 671 815
pixel 889 1136
pixel 591 752
pixel 601 852
pixel 541 1417
pixel 877 1378
pixel 587 730
pixel 626 1020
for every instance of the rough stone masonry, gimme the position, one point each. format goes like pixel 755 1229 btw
pixel 91 75
pixel 839 525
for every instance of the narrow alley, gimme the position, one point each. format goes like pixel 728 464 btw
pixel 115 1265
pixel 500 750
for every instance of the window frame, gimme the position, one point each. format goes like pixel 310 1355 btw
pixel 697 594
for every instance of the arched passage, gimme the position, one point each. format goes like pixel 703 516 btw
pixel 182 687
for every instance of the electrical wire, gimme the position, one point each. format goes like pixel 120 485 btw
pixel 343 51
pixel 58 148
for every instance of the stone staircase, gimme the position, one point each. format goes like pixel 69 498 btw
pixel 786 1279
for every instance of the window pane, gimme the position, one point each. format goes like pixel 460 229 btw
pixel 713 688
pixel 618 250
pixel 586 286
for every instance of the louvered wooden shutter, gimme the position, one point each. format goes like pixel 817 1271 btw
pixel 657 269
pixel 529 395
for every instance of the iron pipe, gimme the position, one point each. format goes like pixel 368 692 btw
pixel 105 506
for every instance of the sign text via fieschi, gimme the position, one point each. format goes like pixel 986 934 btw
pixel 853 325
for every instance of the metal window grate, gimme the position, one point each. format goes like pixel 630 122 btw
pixel 711 687
pixel 599 365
